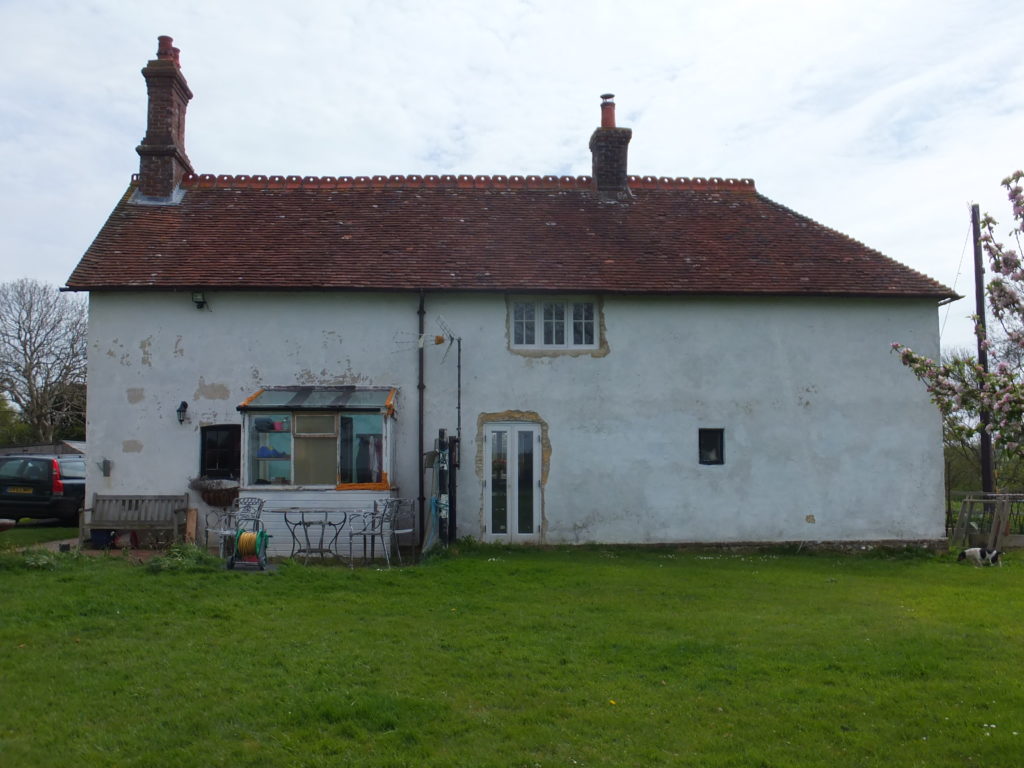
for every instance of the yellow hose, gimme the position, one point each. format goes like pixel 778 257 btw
pixel 247 545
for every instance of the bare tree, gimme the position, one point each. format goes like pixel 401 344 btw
pixel 43 355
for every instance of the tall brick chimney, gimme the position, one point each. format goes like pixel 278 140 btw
pixel 608 146
pixel 162 158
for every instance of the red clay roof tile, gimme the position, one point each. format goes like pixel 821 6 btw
pixel 482 233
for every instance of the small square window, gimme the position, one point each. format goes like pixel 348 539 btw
pixel 711 446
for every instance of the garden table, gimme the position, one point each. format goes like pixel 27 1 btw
pixel 315 532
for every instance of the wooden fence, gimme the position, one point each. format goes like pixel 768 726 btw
pixel 994 520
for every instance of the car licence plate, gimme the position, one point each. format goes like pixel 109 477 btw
pixel 18 489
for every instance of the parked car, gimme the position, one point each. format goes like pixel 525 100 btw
pixel 42 486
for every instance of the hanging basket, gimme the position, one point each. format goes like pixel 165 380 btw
pixel 220 497
pixel 215 491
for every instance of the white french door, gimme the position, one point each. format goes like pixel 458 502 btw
pixel 512 481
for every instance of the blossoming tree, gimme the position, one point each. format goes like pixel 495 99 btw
pixel 959 385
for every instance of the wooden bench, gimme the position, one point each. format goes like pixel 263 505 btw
pixel 135 513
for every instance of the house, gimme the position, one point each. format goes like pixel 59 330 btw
pixel 640 358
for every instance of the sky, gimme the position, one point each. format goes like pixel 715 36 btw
pixel 883 120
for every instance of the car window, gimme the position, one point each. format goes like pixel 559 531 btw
pixel 36 469
pixel 73 469
pixel 30 469
pixel 10 468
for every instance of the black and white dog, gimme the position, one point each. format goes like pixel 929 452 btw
pixel 980 556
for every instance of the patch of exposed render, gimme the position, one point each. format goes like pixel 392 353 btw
pixel 135 394
pixel 123 357
pixel 146 346
pixel 131 446
pixel 326 378
pixel 212 416
pixel 212 391
pixel 179 349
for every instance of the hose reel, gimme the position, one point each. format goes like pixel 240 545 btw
pixel 250 547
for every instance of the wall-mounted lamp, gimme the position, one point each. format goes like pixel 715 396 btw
pixel 182 412
pixel 199 299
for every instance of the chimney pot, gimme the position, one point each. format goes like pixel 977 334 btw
pixel 164 47
pixel 609 146
pixel 607 110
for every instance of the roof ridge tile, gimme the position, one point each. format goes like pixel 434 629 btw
pixel 452 181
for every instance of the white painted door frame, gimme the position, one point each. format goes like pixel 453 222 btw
pixel 512 466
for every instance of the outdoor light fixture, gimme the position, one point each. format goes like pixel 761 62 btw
pixel 182 412
pixel 199 299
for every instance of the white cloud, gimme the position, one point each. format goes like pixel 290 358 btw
pixel 880 119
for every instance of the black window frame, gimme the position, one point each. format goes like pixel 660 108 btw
pixel 711 446
pixel 233 452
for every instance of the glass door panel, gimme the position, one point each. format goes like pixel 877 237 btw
pixel 512 496
pixel 525 484
pixel 499 481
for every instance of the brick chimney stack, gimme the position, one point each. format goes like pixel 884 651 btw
pixel 608 146
pixel 162 158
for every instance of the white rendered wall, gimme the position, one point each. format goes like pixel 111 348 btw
pixel 827 435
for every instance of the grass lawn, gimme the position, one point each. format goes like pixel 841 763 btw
pixel 497 657
pixel 27 535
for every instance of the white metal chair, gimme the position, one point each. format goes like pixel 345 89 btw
pixel 369 527
pixel 400 517
pixel 220 525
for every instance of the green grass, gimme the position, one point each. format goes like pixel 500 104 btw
pixel 497 657
pixel 26 536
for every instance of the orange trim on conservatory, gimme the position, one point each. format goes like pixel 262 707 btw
pixel 383 485
pixel 252 397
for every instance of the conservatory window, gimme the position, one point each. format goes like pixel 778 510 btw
pixel 308 445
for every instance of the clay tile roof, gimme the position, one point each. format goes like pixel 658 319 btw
pixel 482 233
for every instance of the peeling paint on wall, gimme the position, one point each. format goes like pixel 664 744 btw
pixel 212 391
pixel 116 349
pixel 212 416
pixel 146 345
pixel 326 378
pixel 179 350
pixel 131 446
pixel 135 394
pixel 803 398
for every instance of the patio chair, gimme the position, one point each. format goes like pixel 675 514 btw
pixel 369 527
pixel 400 516
pixel 221 525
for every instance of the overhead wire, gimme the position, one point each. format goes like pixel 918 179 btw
pixel 959 270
